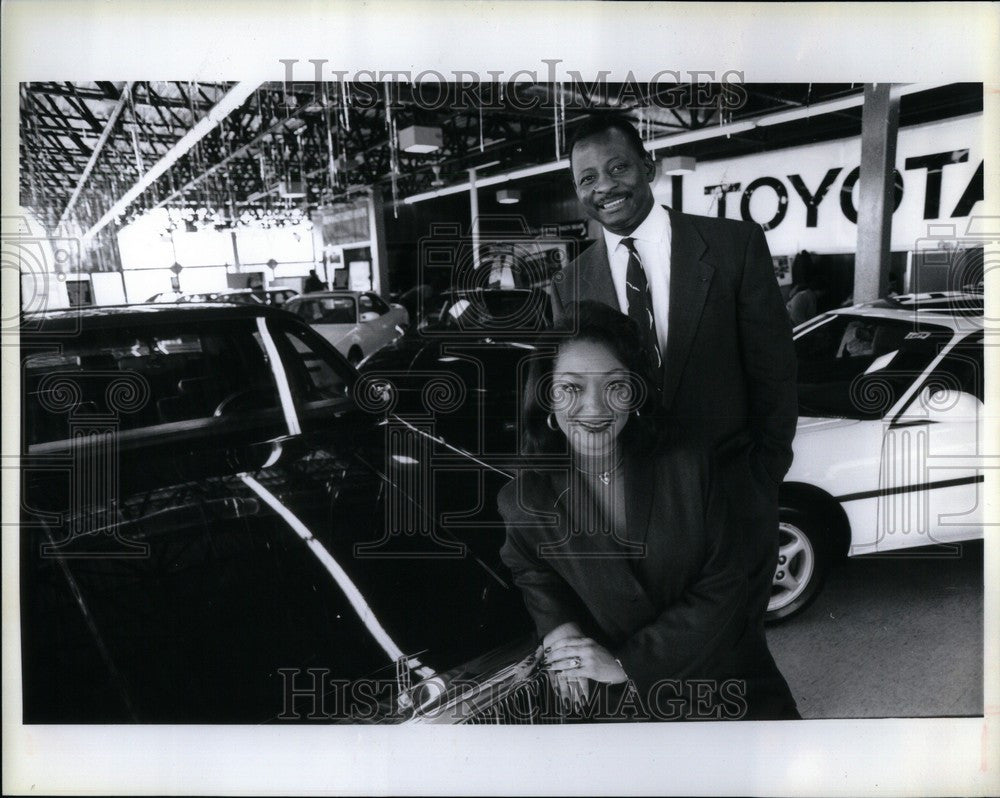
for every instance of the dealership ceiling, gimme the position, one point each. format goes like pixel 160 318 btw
pixel 97 154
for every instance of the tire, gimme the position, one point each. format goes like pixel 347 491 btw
pixel 803 562
pixel 354 356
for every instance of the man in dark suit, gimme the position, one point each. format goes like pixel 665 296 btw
pixel 704 292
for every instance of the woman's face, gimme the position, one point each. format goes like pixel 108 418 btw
pixel 592 393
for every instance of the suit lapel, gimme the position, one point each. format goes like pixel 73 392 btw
pixel 690 278
pixel 595 275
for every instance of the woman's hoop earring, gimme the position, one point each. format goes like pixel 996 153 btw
pixel 550 422
pixel 637 412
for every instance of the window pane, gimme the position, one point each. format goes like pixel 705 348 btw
pixel 849 361
pixel 187 375
pixel 337 310
pixel 316 379
pixel 379 305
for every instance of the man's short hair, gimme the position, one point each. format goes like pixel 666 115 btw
pixel 598 124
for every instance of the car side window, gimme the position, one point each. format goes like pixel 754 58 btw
pixel 304 309
pixel 319 379
pixel 377 304
pixel 859 366
pixel 154 379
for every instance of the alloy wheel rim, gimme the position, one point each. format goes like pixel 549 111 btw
pixel 796 564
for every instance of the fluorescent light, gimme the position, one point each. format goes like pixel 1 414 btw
pixel 807 111
pixel 492 180
pixel 710 132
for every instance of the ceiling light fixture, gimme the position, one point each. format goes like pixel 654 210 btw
pixel 678 165
pixel 508 196
pixel 420 139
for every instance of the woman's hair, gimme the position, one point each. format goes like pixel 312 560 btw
pixel 596 323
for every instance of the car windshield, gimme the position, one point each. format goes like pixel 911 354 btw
pixel 853 366
pixel 496 311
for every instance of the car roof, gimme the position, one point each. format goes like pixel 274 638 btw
pixel 955 309
pixel 344 292
pixel 73 319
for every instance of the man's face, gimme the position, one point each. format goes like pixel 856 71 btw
pixel 612 181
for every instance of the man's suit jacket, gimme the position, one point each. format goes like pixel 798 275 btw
pixel 676 611
pixel 729 364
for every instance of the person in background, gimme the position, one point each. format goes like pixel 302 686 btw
pixel 802 299
pixel 312 283
pixel 636 580
pixel 256 284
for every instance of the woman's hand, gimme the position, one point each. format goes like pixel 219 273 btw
pixel 568 629
pixel 572 692
pixel 575 656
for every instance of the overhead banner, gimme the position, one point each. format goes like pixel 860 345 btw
pixel 807 197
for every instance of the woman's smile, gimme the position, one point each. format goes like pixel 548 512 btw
pixel 593 426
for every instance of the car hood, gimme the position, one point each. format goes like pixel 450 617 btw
pixel 251 594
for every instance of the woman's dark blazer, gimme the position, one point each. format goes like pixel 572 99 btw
pixel 677 610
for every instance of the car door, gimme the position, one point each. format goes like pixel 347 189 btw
pixel 378 330
pixel 932 484
pixel 334 317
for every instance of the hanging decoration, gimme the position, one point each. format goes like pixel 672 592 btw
pixel 390 125
pixel 562 117
pixel 140 167
pixel 332 175
pixel 345 102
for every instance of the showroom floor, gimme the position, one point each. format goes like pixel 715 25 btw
pixel 897 637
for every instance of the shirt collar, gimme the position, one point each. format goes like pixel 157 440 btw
pixel 654 228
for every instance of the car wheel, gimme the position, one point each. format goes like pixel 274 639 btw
pixel 354 356
pixel 803 560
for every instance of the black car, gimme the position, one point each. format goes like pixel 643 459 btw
pixel 221 522
pixel 460 373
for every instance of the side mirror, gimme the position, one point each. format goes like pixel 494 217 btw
pixel 948 404
pixel 369 315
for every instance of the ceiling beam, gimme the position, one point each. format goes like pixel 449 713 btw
pixel 234 98
pixel 98 148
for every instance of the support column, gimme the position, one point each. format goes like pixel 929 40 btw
pixel 376 233
pixel 876 186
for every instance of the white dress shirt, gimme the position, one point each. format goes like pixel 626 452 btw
pixel 652 242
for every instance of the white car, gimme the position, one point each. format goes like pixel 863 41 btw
pixel 889 436
pixel 356 322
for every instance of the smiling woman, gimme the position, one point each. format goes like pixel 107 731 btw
pixel 623 546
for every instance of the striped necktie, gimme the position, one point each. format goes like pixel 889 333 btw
pixel 640 302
